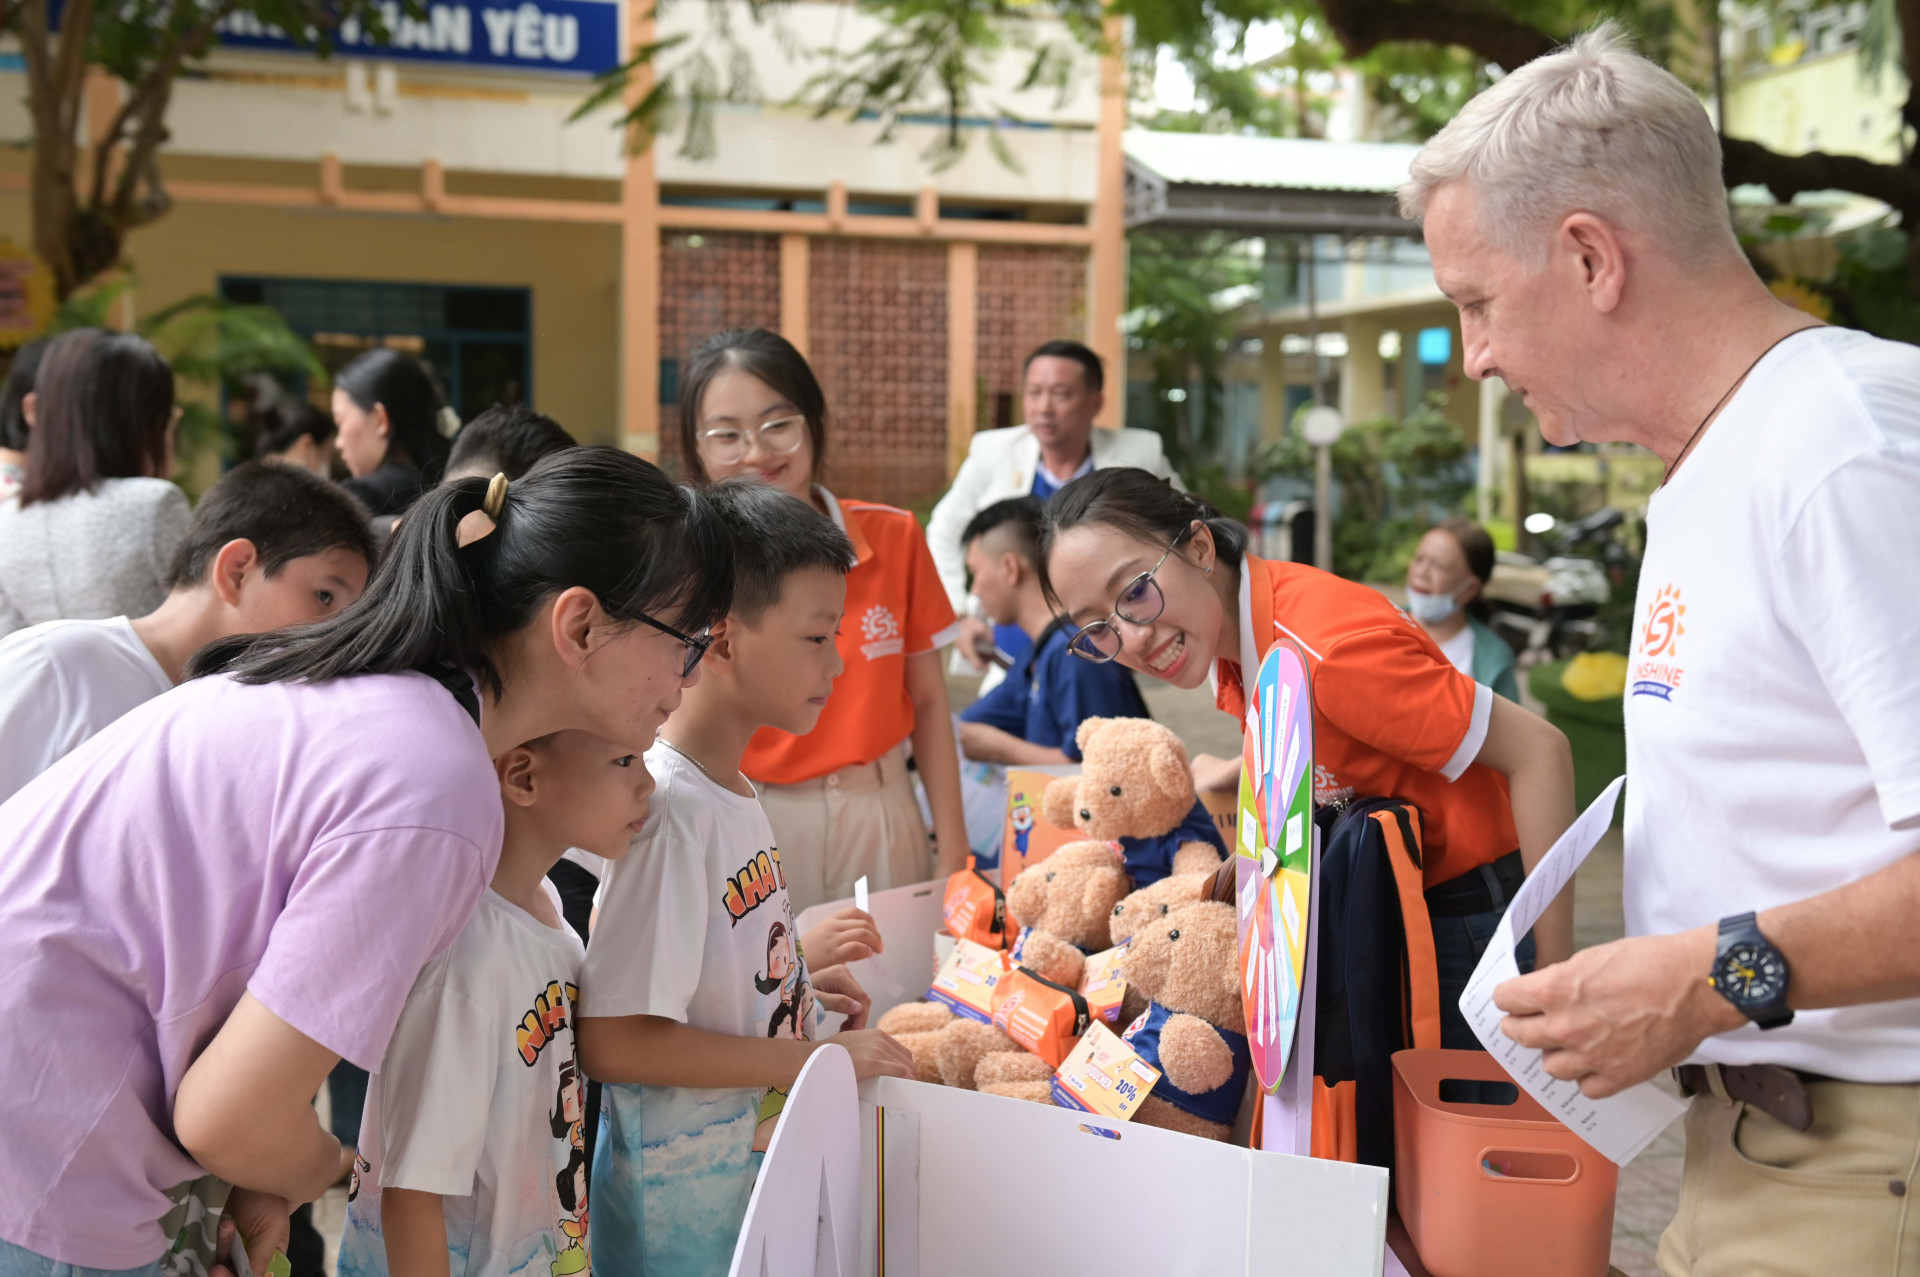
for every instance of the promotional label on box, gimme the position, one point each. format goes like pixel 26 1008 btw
pixel 970 980
pixel 1104 1076
pixel 1102 984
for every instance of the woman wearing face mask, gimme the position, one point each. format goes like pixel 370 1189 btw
pixel 1161 582
pixel 1444 583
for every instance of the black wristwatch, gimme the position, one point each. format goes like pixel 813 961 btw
pixel 1750 973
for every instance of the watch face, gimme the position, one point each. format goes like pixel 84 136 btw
pixel 1751 975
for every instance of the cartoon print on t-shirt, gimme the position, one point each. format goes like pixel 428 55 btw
pixel 753 884
pixel 787 974
pixel 569 1109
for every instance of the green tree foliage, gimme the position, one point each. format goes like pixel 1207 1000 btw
pixel 1392 478
pixel 81 218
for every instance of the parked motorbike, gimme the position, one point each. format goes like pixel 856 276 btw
pixel 1548 608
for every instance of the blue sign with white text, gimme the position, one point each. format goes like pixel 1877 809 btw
pixel 580 36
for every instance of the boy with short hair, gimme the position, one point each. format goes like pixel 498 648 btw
pixel 1033 716
pixel 269 546
pixel 700 1003
pixel 472 1149
pixel 505 439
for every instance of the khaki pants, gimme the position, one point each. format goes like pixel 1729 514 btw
pixel 859 820
pixel 1760 1199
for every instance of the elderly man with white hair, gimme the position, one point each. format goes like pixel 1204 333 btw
pixel 1576 216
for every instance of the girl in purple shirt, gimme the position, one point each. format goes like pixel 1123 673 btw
pixel 232 888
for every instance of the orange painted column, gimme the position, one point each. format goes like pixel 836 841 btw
pixel 640 266
pixel 1107 262
pixel 796 265
pixel 963 292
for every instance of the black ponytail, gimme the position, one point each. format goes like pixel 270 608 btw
pixel 597 518
pixel 1142 505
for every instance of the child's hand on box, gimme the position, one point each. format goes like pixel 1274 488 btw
pixel 875 1054
pixel 847 936
pixel 840 994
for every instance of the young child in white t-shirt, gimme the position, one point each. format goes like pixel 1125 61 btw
pixel 269 546
pixel 700 1000
pixel 472 1151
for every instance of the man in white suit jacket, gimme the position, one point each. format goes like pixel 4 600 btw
pixel 1058 443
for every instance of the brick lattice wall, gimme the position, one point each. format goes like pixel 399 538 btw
pixel 1028 295
pixel 709 282
pixel 877 321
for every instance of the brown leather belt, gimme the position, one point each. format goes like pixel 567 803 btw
pixel 1777 1091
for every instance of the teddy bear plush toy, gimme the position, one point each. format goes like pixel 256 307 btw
pixel 1144 905
pixel 1064 905
pixel 1185 962
pixel 1135 789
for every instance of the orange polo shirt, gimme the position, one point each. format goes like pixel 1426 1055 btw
pixel 1392 717
pixel 896 608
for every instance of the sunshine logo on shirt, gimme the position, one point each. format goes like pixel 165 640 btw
pixel 881 628
pixel 1657 671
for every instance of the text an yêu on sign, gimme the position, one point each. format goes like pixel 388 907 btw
pixel 548 35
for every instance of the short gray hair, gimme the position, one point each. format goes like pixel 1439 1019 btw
pixel 1592 127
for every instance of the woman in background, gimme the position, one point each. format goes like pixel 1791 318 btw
pixel 295 433
pixel 16 415
pixel 839 798
pixel 1448 574
pixel 393 429
pixel 93 529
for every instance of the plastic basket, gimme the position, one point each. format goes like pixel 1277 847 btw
pixel 1494 1190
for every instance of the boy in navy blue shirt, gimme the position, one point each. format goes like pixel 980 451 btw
pixel 1031 718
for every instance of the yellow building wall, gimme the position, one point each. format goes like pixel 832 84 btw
pixel 1819 104
pixel 573 272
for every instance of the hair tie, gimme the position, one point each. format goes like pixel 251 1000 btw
pixel 479 524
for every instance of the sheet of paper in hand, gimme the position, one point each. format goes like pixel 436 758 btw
pixel 1619 1126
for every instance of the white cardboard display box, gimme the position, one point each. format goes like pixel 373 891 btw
pixel 954 1184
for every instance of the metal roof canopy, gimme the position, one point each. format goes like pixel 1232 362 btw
pixel 1265 186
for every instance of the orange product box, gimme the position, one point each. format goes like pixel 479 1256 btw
pixel 1103 1075
pixel 1103 985
pixel 1030 837
pixel 972 981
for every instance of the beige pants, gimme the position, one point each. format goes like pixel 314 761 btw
pixel 1760 1199
pixel 859 820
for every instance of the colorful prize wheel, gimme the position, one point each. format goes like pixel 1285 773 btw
pixel 1275 856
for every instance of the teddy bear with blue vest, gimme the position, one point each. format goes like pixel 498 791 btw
pixel 1135 789
pixel 1186 962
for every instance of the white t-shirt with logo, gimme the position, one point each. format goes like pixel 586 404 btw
pixel 481 1100
pixel 1773 687
pixel 694 925
pixel 60 683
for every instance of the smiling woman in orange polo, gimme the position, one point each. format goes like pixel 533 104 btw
pixel 839 798
pixel 1159 581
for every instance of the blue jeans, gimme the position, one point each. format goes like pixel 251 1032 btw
pixel 1458 943
pixel 16 1261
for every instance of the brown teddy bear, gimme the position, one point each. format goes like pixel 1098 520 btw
pixel 1142 906
pixel 1186 962
pixel 1135 789
pixel 1064 904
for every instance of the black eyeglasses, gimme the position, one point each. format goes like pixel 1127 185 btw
pixel 1140 603
pixel 696 646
